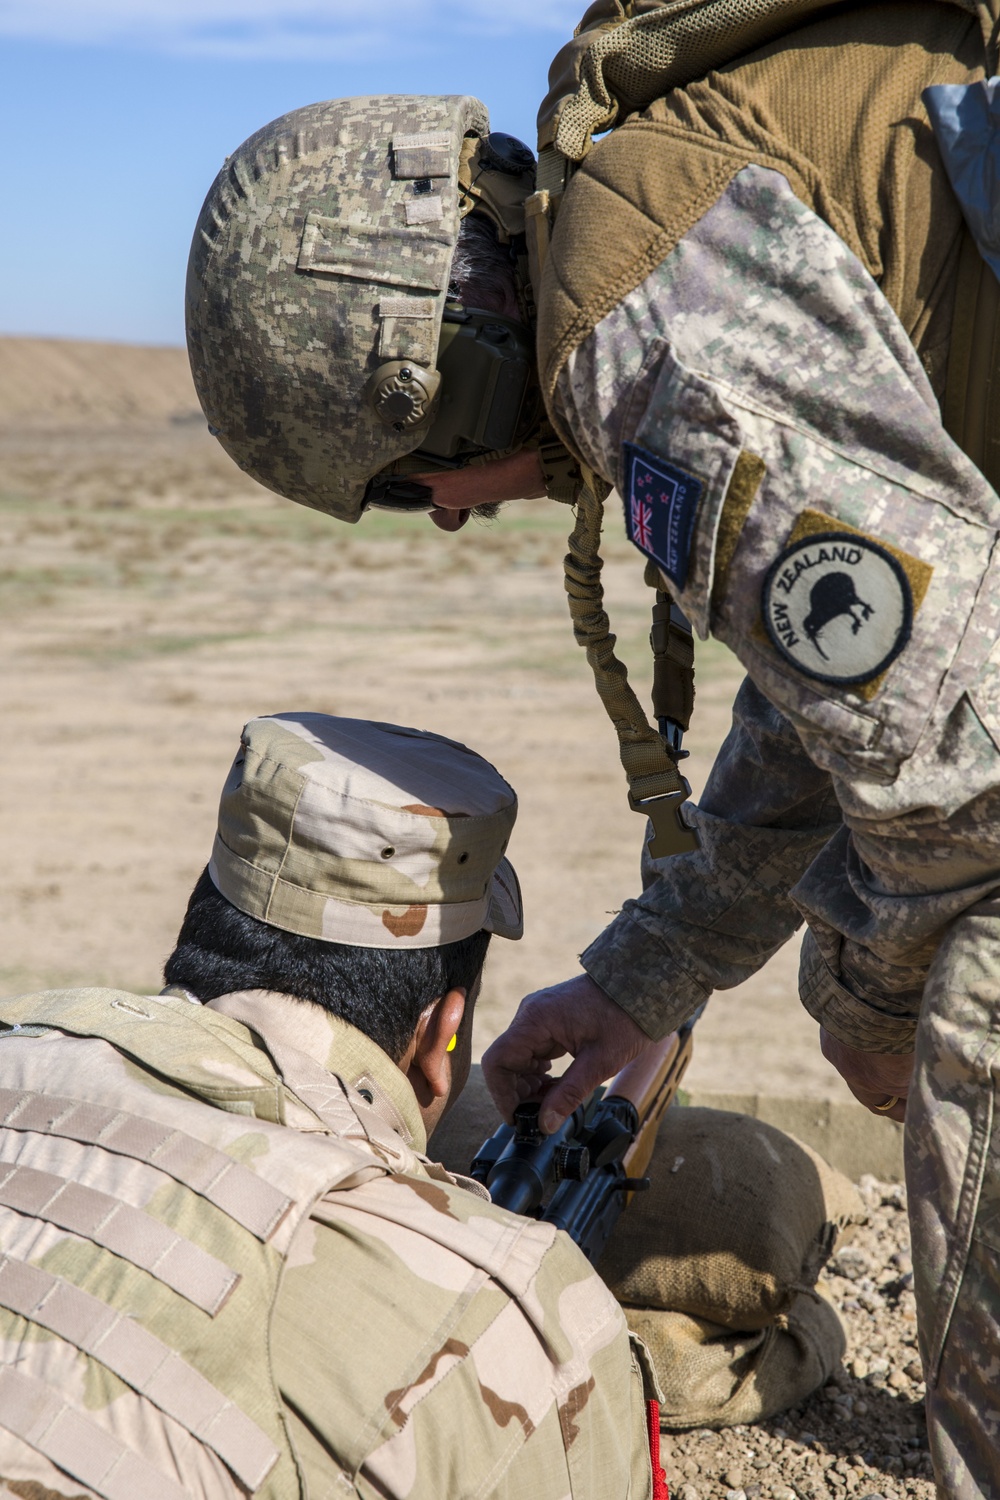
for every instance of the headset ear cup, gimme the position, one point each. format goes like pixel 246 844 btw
pixel 505 153
pixel 402 394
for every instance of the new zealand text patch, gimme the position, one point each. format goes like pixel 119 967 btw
pixel 660 505
pixel 838 606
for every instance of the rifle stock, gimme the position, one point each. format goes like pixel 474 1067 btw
pixel 651 1084
pixel 582 1177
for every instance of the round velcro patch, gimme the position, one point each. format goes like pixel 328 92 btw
pixel 838 606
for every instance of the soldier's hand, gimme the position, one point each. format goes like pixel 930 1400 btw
pixel 574 1017
pixel 872 1077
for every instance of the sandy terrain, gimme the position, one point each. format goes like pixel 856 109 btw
pixel 153 599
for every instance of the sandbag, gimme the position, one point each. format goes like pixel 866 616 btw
pixel 716 1264
pixel 738 1220
pixel 712 1376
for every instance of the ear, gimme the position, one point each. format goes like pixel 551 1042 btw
pixel 428 1062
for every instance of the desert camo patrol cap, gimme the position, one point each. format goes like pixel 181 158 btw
pixel 322 256
pixel 366 834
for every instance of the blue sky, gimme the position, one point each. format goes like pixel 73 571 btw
pixel 116 114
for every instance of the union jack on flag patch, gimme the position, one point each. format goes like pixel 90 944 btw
pixel 642 524
pixel 661 502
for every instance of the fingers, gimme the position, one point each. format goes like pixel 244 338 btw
pixel 517 1062
pixel 574 1088
pixel 876 1100
pixel 872 1077
pixel 574 1017
pixel 513 1069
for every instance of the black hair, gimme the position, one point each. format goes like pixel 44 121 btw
pixel 482 271
pixel 381 991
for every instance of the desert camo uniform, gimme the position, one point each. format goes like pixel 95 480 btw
pixel 228 1267
pixel 763 388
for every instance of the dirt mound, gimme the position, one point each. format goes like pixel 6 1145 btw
pixel 47 383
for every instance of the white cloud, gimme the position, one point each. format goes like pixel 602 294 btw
pixel 280 29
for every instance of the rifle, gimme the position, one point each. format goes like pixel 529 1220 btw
pixel 590 1167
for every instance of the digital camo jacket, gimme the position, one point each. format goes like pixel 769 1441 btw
pixel 779 448
pixel 755 299
pixel 224 1272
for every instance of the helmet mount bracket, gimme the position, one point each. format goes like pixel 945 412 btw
pixel 403 394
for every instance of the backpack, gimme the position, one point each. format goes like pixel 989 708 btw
pixel 626 54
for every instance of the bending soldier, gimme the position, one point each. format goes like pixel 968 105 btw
pixel 229 1267
pixel 762 317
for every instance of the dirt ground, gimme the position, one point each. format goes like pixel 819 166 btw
pixel 864 1433
pixel 152 599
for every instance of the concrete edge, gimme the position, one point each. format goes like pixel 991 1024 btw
pixel 847 1136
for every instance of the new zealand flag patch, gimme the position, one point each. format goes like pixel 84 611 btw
pixel 660 506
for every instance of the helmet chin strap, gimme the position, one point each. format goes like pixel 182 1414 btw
pixel 496 176
pixel 394 489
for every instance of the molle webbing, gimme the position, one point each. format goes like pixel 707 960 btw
pixel 143 1362
pixel 175 1218
pixel 233 1188
pixel 126 1231
pixel 73 1440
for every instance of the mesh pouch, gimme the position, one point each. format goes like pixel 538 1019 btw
pixel 626 53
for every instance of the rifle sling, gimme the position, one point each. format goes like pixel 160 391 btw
pixel 656 787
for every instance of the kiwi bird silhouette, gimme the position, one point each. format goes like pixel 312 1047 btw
pixel 832 596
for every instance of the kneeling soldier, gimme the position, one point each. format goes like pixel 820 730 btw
pixel 228 1267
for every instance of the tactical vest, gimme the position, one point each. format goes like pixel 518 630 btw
pixel 149 1194
pixel 835 106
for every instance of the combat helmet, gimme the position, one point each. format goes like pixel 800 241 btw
pixel 327 357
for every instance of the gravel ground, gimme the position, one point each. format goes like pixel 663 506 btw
pixel 863 1433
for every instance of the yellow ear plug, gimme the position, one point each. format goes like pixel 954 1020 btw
pixel 452 1044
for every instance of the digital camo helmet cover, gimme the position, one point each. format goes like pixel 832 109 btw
pixel 322 255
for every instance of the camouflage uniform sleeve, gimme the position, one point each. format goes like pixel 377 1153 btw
pixel 429 1345
pixel 762 338
pixel 765 814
